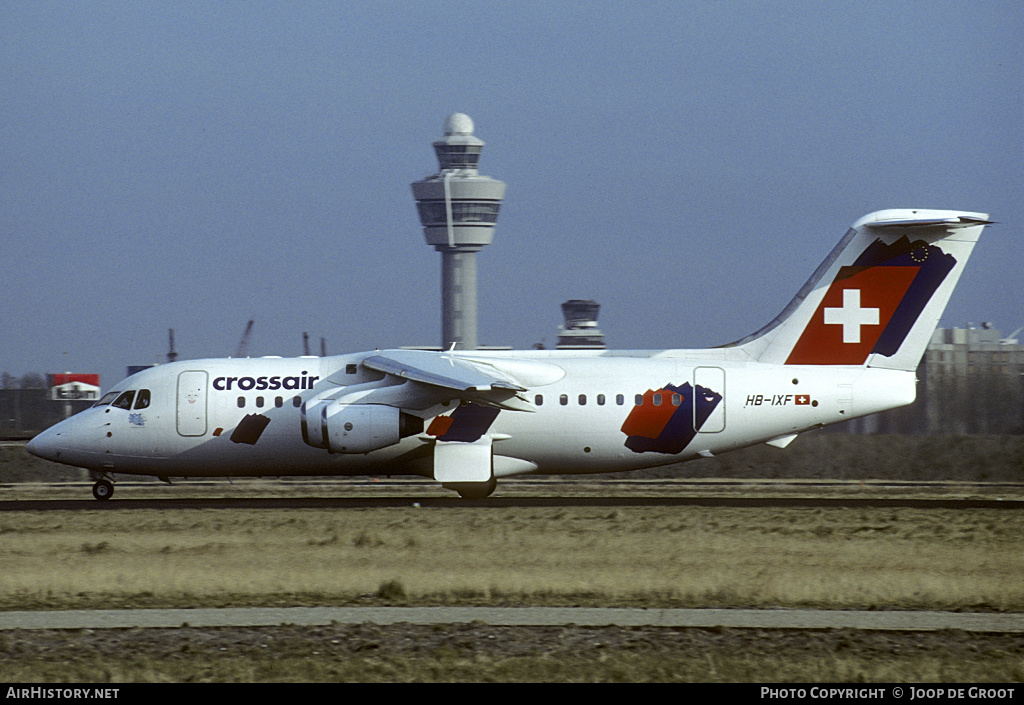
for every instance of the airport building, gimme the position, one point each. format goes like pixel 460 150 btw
pixel 32 406
pixel 970 380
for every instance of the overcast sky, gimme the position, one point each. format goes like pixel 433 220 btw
pixel 194 165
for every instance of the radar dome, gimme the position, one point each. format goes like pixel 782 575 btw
pixel 458 124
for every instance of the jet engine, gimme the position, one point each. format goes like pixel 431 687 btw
pixel 355 428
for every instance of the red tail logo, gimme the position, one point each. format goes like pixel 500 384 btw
pixel 851 317
pixel 872 304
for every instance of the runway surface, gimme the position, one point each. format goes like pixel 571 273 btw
pixel 519 616
pixel 386 502
pixel 360 493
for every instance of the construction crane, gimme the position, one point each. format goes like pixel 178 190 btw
pixel 171 354
pixel 305 345
pixel 243 344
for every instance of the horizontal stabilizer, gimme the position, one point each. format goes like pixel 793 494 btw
pixel 963 221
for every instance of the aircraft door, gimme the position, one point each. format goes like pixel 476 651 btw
pixel 709 399
pixel 192 403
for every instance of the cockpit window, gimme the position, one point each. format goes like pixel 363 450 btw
pixel 107 398
pixel 125 400
pixel 142 401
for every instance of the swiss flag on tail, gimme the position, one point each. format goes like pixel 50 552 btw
pixel 873 303
pixel 851 318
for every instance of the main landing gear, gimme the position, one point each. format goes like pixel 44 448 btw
pixel 103 489
pixel 473 490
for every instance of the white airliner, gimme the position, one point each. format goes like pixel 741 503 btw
pixel 848 344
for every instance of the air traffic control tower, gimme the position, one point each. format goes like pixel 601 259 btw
pixel 458 210
pixel 580 331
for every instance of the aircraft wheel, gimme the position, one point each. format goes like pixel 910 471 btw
pixel 102 490
pixel 474 490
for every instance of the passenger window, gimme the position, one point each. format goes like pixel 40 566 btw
pixel 241 402
pixel 539 400
pixel 259 402
pixel 142 401
pixel 278 402
pixel 600 399
pixel 563 399
pixel 125 400
pixel 657 400
pixel 676 400
pixel 639 400
pixel 296 402
pixel 620 399
pixel 583 399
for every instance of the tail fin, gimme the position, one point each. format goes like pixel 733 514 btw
pixel 878 296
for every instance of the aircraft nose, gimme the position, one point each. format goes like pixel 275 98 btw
pixel 45 445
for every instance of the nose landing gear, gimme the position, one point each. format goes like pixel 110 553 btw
pixel 103 490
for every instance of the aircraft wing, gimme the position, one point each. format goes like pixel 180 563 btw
pixel 465 379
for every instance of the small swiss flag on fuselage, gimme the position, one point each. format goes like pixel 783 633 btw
pixel 852 316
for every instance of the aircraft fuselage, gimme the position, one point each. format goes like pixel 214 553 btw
pixel 596 412
pixel 846 345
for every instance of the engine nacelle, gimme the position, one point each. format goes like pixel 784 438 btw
pixel 355 428
pixel 360 428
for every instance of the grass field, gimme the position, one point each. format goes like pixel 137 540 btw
pixel 683 556
pixel 476 653
pixel 641 556
pixel 655 556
